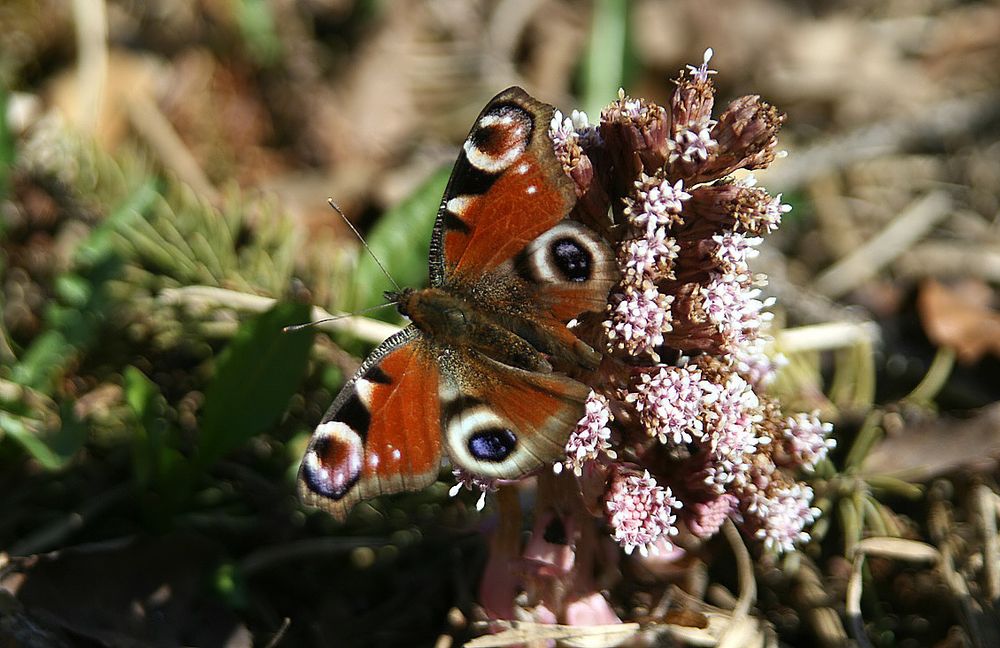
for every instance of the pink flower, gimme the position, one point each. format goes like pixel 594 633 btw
pixel 704 519
pixel 592 437
pixel 733 252
pixel 657 203
pixel 779 514
pixel 472 482
pixel 773 212
pixel 639 318
pixel 635 110
pixel 641 511
pixel 730 431
pixel 755 365
pixel 648 258
pixel 692 145
pixel 671 403
pixel 734 308
pixel 806 439
pixel 678 395
pixel 569 136
pixel 701 73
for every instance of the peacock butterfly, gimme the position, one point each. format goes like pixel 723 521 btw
pixel 472 375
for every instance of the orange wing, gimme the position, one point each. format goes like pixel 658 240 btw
pixel 506 189
pixel 382 433
pixel 502 422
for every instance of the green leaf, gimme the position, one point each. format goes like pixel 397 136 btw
pixel 15 428
pixel 42 359
pixel 230 585
pixel 51 448
pixel 604 66
pixel 99 246
pixel 7 150
pixel 70 436
pixel 254 378
pixel 151 456
pixel 259 31
pixel 73 323
pixel 140 392
pixel 400 239
pixel 73 290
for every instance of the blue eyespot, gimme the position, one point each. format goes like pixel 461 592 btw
pixel 572 259
pixel 493 444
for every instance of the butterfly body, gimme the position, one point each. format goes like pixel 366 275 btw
pixel 480 374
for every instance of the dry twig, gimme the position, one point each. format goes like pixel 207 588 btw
pixel 91 19
pixel 156 129
pixel 208 297
pixel 940 122
pixel 906 229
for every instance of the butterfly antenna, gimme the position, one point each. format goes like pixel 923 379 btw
pixel 299 327
pixel 364 243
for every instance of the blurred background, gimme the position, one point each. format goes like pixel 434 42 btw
pixel 164 169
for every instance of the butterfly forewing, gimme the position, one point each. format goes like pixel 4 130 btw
pixel 382 433
pixel 507 188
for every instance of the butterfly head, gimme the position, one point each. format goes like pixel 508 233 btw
pixel 403 299
pixel 397 296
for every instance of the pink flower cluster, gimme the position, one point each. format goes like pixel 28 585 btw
pixel 592 437
pixel 679 433
pixel 695 439
pixel 640 510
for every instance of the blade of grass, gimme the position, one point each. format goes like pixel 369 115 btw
pixel 7 150
pixel 604 66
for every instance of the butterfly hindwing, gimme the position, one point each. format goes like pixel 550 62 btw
pixel 382 433
pixel 501 422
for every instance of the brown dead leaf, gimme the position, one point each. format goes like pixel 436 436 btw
pixel 960 318
pixel 221 116
pixel 686 618
pixel 939 446
pixel 128 76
